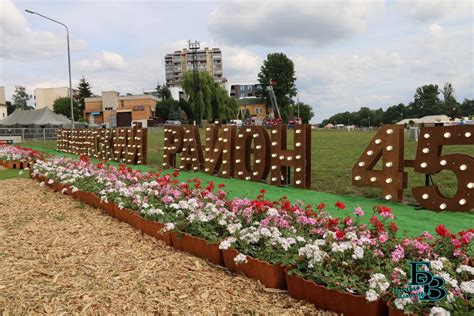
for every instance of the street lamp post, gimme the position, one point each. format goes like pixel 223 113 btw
pixel 68 60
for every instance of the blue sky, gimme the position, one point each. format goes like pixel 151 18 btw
pixel 347 53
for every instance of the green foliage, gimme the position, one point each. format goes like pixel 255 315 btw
pixel 162 91
pixel 211 100
pixel 20 98
pixel 63 106
pixel 280 68
pixel 10 107
pixel 305 110
pixel 84 90
pixel 169 109
pixel 426 102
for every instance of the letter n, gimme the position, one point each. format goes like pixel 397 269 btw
pixel 299 158
pixel 220 150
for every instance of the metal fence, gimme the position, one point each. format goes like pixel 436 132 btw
pixel 30 133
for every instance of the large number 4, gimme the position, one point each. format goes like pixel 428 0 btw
pixel 388 144
pixel 429 160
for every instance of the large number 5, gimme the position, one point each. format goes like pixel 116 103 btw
pixel 429 160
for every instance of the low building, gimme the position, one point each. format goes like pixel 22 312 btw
pixel 112 109
pixel 45 97
pixel 427 121
pixel 3 104
pixel 256 107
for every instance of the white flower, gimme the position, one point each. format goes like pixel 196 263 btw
pixel 448 279
pixel 468 287
pixel 341 247
pixel 272 212
pixel 240 258
pixel 169 226
pixel 371 295
pixel 401 302
pixel 300 239
pixel 63 190
pixel 50 181
pixel 437 265
pixel 464 268
pixel 74 189
pixel 378 280
pixel 358 252
pixel 41 184
pixel 400 271
pixel 439 311
pixel 226 243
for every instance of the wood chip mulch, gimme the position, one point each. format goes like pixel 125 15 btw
pixel 60 256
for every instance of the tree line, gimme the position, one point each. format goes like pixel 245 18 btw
pixel 426 101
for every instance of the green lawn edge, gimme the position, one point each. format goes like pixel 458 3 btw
pixel 410 221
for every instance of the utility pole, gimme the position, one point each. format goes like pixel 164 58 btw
pixel 193 47
pixel 68 59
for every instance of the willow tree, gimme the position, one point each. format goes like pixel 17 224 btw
pixel 211 99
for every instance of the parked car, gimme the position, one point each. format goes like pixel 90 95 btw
pixel 238 123
pixel 172 122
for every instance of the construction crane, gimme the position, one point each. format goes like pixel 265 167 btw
pixel 275 115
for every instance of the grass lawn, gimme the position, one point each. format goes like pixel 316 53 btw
pixel 334 153
pixel 11 174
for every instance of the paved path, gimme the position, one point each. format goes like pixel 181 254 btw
pixel 60 256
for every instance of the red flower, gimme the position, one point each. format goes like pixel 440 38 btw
pixel 442 231
pixel 262 191
pixel 321 206
pixel 340 205
pixel 221 185
pixel 340 234
pixel 393 227
pixel 175 173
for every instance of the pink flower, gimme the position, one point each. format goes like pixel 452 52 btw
pixel 358 211
pixel 398 253
pixel 383 238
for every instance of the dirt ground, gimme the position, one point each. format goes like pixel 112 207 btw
pixel 60 256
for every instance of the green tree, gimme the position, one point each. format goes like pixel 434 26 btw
pixel 306 112
pixel 20 98
pixel 10 107
pixel 63 106
pixel 163 108
pixel 84 90
pixel 162 91
pixel 211 100
pixel 394 114
pixel 426 101
pixel 186 107
pixel 450 104
pixel 467 108
pixel 280 70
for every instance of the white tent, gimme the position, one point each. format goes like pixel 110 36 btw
pixel 41 117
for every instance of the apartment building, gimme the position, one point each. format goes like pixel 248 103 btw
pixel 177 63
pixel 244 90
pixel 45 97
pixel 3 104
pixel 112 109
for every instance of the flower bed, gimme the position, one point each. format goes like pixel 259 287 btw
pixel 12 157
pixel 336 263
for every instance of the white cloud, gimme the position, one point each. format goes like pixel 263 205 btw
pixel 345 81
pixel 19 42
pixel 432 10
pixel 286 23
pixel 104 61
